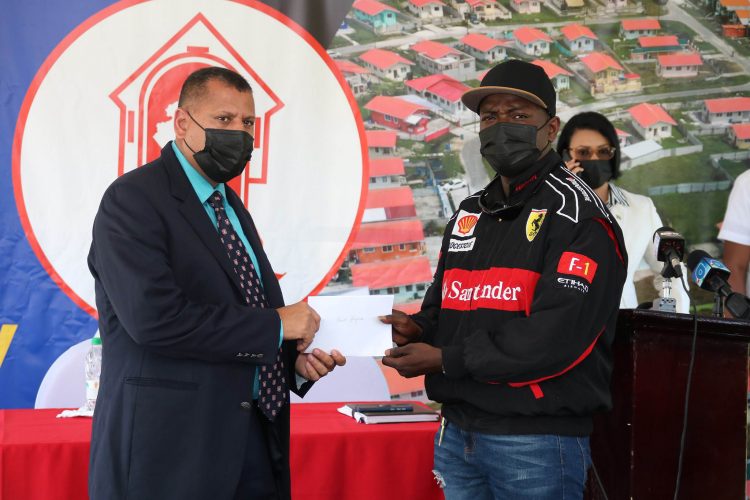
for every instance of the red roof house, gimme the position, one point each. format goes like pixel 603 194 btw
pixel 383 167
pixel 386 64
pixel 389 233
pixel 392 273
pixel 398 114
pixel 532 41
pixel 652 121
pixel 389 204
pixel 684 64
pixel 381 139
pixel 485 48
pixel 726 110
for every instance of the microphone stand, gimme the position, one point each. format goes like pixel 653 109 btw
pixel 665 302
pixel 718 311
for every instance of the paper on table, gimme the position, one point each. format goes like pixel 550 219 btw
pixel 350 324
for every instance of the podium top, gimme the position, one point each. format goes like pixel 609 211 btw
pixel 641 320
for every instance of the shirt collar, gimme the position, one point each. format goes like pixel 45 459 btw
pixel 616 197
pixel 201 186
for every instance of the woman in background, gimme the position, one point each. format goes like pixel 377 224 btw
pixel 588 144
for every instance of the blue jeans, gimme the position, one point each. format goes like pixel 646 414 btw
pixel 475 466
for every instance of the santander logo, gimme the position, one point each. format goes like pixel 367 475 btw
pixel 499 288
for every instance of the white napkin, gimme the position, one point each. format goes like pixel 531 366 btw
pixel 80 412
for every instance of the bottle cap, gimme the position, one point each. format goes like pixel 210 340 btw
pixel 96 341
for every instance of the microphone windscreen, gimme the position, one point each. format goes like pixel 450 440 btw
pixel 695 257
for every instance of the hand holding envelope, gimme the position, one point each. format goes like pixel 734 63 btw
pixel 350 324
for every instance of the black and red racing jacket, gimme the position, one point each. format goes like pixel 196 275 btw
pixel 524 304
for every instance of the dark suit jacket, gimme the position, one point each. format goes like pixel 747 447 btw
pixel 180 346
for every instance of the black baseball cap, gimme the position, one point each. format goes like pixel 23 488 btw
pixel 518 78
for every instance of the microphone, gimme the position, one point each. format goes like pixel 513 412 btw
pixel 709 273
pixel 712 275
pixel 670 247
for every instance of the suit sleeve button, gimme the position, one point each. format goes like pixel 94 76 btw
pixel 245 405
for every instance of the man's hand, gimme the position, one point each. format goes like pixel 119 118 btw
pixel 300 322
pixel 318 364
pixel 414 359
pixel 403 329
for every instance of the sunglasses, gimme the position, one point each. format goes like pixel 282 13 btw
pixel 585 152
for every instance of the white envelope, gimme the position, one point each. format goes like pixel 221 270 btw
pixel 350 324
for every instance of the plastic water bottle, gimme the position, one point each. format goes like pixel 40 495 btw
pixel 93 370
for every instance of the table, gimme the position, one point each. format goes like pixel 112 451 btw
pixel 43 457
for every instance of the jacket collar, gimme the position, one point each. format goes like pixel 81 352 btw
pixel 192 209
pixel 493 199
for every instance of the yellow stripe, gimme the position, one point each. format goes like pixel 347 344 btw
pixel 6 335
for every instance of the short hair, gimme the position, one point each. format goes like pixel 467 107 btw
pixel 598 123
pixel 195 85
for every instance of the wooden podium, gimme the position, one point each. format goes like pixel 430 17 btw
pixel 635 446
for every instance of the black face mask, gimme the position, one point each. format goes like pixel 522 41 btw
pixel 595 172
pixel 225 154
pixel 510 148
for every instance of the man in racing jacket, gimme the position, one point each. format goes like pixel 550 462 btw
pixel 515 332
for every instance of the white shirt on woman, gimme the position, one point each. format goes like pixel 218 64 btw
pixel 638 220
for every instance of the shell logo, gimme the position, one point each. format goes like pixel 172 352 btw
pixel 466 223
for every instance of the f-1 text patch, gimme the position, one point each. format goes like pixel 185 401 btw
pixel 578 265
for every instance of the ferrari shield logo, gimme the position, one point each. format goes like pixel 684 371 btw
pixel 534 223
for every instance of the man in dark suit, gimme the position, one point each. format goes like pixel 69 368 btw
pixel 199 350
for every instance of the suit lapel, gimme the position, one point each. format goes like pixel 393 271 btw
pixel 193 211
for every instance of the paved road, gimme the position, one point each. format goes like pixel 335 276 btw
pixel 476 174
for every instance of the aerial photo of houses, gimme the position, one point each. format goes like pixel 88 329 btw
pixel 674 78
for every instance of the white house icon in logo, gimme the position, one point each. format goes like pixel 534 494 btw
pixel 147 99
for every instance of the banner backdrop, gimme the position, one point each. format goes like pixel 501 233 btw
pixel 89 91
pixel 363 149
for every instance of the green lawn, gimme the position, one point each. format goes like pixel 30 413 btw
pixel 607 31
pixel 339 42
pixel 713 144
pixel 734 168
pixel 694 215
pixel 362 35
pixel 545 16
pixel 577 93
pixel 452 165
pixel 677 140
pixel 696 83
pixel 741 45
pixel 673 170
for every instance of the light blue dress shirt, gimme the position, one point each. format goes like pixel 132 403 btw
pixel 203 189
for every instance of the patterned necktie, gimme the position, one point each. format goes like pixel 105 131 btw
pixel 273 388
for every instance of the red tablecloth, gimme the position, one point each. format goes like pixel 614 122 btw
pixel 332 456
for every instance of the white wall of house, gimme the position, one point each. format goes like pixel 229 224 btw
pixel 527 6
pixel 561 82
pixel 582 44
pixel 398 72
pixel 491 12
pixel 535 48
pixel 495 55
pixel 630 35
pixel 458 67
pixel 729 117
pixel 429 11
pixel 676 71
pixel 656 132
